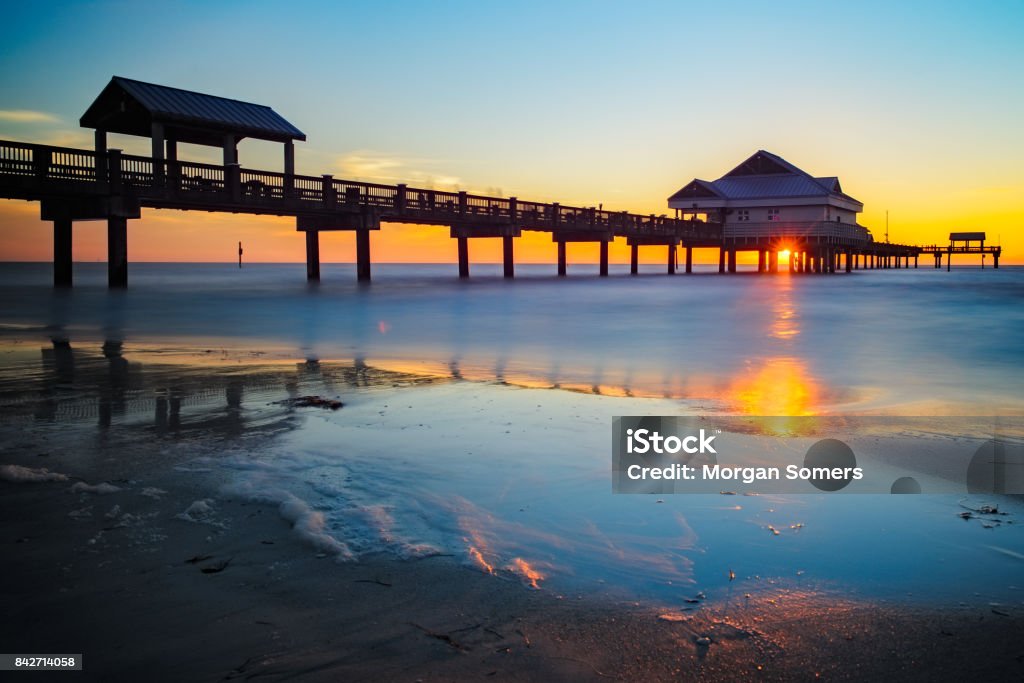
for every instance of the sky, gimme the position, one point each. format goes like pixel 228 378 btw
pixel 916 106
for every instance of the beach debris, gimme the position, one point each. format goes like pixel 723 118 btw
pixel 965 515
pixel 526 638
pixel 672 616
pixel 100 489
pixel 703 641
pixel 732 575
pixel 19 474
pixel 312 402
pixel 443 637
pixel 702 596
pixel 1000 612
pixel 775 532
pixel 798 525
pixel 691 601
pixel 659 501
pixel 727 493
pixel 216 568
pixel 376 581
pixel 196 559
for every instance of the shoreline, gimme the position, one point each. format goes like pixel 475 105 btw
pixel 108 573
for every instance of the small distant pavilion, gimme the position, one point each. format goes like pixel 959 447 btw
pixel 170 115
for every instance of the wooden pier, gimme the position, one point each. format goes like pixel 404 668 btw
pixel 106 184
pixel 961 243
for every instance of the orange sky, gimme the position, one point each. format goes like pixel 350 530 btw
pixel 166 235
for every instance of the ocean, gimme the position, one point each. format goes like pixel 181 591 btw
pixel 500 457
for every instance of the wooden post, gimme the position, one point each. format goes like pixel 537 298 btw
pixel 507 256
pixel 158 153
pixel 721 259
pixel 362 255
pixel 117 252
pixel 100 137
pixel 463 257
pixel 230 149
pixel 773 261
pixel 760 260
pixel 401 197
pixel 561 259
pixel 327 191
pixel 62 263
pixel 289 168
pixel 949 259
pixel 312 255
pixel 604 259
pixel 634 258
pixel 732 260
pixel 995 261
pixel 849 261
pixel 672 259
pixel 689 259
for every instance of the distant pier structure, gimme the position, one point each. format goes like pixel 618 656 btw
pixel 964 243
pixel 770 206
pixel 765 204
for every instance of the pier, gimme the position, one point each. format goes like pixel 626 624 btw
pixel 106 184
pixel 961 243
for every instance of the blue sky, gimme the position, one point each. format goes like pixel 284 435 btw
pixel 585 102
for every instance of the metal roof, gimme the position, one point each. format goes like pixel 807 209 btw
pixel 766 176
pixel 958 236
pixel 131 107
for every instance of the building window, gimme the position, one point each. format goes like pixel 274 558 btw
pixel 743 215
pixel 773 214
pixel 838 219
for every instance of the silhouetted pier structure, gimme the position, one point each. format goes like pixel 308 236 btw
pixel 106 184
pixel 961 243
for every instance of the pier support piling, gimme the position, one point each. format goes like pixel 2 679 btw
pixel 562 259
pixel 463 256
pixel 732 260
pixel 671 259
pixel 117 252
pixel 760 260
pixel 634 259
pixel 313 255
pixel 363 255
pixel 604 259
pixel 62 252
pixel 507 256
pixel 689 260
pixel 721 259
pixel 773 261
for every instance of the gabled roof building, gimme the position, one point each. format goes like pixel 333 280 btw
pixel 766 196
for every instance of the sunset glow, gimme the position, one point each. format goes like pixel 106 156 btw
pixel 619 155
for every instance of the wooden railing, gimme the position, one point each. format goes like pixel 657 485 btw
pixel 799 229
pixel 159 181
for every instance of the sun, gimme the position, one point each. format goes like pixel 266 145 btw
pixel 784 254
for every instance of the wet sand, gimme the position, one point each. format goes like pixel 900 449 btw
pixel 141 561
pixel 140 610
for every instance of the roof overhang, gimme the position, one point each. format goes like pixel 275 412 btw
pixel 132 107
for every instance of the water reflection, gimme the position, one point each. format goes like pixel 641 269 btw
pixel 109 386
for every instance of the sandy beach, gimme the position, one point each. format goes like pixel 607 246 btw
pixel 178 538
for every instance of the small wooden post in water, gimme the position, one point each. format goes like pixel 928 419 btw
pixel 239 254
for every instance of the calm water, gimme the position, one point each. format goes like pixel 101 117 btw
pixel 909 342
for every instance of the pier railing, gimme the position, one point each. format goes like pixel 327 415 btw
pixel 185 184
pixel 797 230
